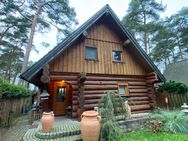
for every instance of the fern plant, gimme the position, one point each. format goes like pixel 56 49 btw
pixel 110 106
pixel 174 121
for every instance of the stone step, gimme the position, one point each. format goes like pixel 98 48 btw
pixel 59 132
pixel 64 132
pixel 133 116
pixel 132 124
pixel 30 136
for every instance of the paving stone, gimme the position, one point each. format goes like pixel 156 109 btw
pixel 17 132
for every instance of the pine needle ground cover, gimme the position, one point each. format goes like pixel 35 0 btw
pixel 143 135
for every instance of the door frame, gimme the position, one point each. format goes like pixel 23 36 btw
pixel 53 92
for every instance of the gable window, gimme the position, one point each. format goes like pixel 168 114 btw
pixel 117 56
pixel 91 53
pixel 123 89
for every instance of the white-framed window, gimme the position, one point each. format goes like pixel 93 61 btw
pixel 117 56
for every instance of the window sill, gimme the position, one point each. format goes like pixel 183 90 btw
pixel 95 60
pixel 125 95
pixel 118 62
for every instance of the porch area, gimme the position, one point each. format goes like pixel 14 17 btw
pixel 67 129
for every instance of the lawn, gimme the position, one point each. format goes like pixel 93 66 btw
pixel 143 135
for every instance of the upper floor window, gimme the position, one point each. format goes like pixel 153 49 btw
pixel 116 56
pixel 91 53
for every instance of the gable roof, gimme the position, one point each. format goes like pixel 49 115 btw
pixel 68 41
pixel 177 71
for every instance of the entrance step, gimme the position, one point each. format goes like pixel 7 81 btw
pixel 69 132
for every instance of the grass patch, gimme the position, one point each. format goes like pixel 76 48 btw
pixel 143 135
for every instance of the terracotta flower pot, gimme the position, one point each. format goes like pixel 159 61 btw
pixel 90 126
pixel 47 121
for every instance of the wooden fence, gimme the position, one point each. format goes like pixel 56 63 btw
pixel 11 108
pixel 171 101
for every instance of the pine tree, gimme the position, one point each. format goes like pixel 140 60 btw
pixel 141 20
pixel 179 26
pixel 46 13
pixel 13 36
pixel 170 41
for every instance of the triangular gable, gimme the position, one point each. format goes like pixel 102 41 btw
pixel 33 70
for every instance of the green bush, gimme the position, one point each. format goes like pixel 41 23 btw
pixel 173 87
pixel 174 121
pixel 110 105
pixel 10 90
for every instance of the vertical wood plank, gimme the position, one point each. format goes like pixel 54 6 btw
pixel 106 40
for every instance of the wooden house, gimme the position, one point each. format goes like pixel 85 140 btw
pixel 100 55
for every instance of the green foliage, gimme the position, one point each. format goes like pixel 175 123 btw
pixel 16 20
pixel 141 20
pixel 174 121
pixel 143 135
pixel 173 87
pixel 111 104
pixel 13 36
pixel 170 40
pixel 10 90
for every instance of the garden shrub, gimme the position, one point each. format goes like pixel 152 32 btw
pixel 174 121
pixel 173 87
pixel 12 100
pixel 111 104
pixel 10 90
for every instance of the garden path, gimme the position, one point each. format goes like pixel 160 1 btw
pixel 16 132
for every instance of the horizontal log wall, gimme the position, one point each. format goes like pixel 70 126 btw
pixel 106 41
pixel 96 85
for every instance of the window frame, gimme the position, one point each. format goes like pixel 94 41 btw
pixel 96 59
pixel 121 56
pixel 125 85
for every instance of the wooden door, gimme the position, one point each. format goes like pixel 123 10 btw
pixel 60 98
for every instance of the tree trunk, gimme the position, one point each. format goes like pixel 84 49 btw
pixel 29 46
pixel 165 62
pixel 173 56
pixel 14 78
pixel 179 46
pixel 145 35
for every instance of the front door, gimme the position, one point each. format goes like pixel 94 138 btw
pixel 60 98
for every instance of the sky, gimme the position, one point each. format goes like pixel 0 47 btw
pixel 87 8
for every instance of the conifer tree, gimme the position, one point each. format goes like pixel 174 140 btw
pixel 141 20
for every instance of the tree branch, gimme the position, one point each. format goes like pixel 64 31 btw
pixel 6 32
pixel 48 22
pixel 22 3
pixel 25 16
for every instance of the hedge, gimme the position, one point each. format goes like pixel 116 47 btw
pixel 173 87
pixel 14 91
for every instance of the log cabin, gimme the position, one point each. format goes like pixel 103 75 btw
pixel 100 55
